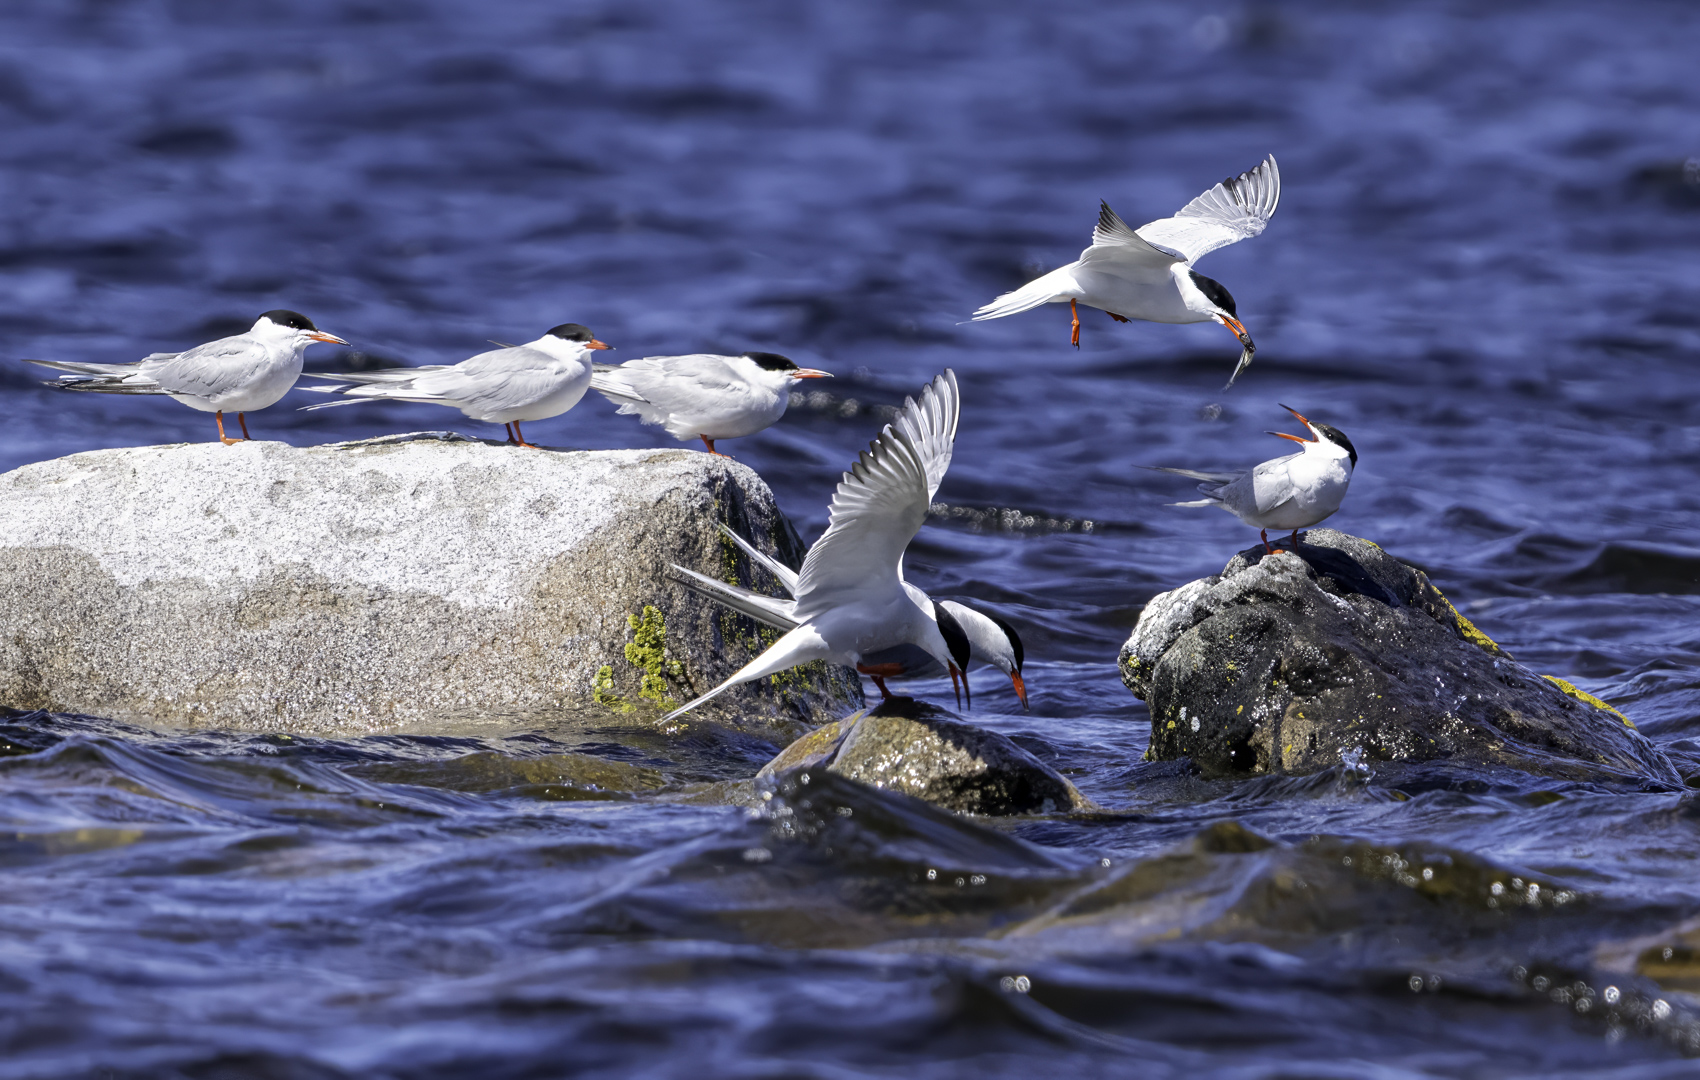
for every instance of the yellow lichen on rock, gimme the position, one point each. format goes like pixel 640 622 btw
pixel 1582 695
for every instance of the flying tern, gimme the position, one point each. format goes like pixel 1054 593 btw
pixel 704 396
pixel 851 602
pixel 1292 492
pixel 1147 273
pixel 534 381
pixel 991 640
pixel 239 374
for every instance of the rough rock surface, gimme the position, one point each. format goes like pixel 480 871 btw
pixel 362 586
pixel 1344 654
pixel 915 749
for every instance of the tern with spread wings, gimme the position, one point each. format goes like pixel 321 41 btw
pixel 241 374
pixel 534 381
pixel 1292 492
pixel 851 600
pixel 991 640
pixel 1147 273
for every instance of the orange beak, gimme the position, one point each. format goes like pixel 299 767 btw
pixel 1295 438
pixel 328 339
pixel 811 373
pixel 594 344
pixel 1236 328
pixel 1020 688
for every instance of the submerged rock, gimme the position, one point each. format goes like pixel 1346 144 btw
pixel 1342 654
pixel 361 586
pixel 912 748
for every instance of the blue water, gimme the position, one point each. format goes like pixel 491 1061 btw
pixel 1482 270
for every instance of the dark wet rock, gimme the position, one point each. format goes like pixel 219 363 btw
pixel 413 580
pixel 1342 654
pixel 915 749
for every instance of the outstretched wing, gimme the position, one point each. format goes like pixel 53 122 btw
pixel 1234 210
pixel 881 502
pixel 1118 250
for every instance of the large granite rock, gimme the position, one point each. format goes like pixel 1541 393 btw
pixel 1342 653
pixel 362 586
pixel 915 749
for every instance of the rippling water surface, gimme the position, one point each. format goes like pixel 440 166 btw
pixel 1482 270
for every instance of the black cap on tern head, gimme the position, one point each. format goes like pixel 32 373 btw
pixel 771 361
pixel 571 331
pixel 1338 438
pixel 1213 292
pixel 1014 638
pixel 954 637
pixel 292 319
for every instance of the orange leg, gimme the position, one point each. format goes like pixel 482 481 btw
pixel 1266 546
pixel 521 435
pixel 243 420
pixel 1295 541
pixel 219 416
pixel 509 428
pixel 1074 310
pixel 708 442
pixel 878 672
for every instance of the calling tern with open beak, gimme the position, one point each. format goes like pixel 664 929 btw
pixel 1147 273
pixel 241 374
pixel 1292 492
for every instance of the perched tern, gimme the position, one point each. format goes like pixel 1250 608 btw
pixel 703 396
pixel 990 639
pixel 534 381
pixel 239 374
pixel 1147 273
pixel 1292 492
pixel 851 600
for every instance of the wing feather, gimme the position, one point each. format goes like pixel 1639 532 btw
pixel 208 370
pixel 787 577
pixel 1112 232
pixel 1236 209
pixel 881 503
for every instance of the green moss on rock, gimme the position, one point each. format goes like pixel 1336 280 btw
pixel 647 651
pixel 602 689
